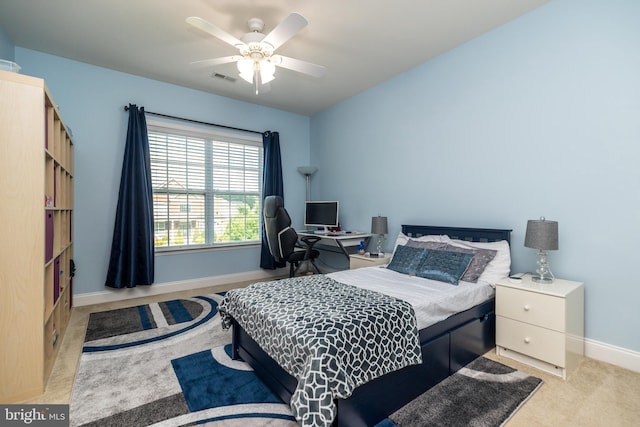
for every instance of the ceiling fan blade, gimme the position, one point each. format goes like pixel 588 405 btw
pixel 298 65
pixel 215 31
pixel 285 30
pixel 215 61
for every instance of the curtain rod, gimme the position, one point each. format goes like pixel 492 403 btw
pixel 126 108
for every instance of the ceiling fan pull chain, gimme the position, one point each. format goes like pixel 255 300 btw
pixel 256 77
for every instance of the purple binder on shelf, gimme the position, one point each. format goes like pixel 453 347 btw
pixel 55 184
pixel 56 280
pixel 48 237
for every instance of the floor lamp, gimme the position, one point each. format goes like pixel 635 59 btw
pixel 307 171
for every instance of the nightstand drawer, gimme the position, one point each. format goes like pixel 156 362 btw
pixel 538 309
pixel 537 342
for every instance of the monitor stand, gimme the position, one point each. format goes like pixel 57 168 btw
pixel 323 230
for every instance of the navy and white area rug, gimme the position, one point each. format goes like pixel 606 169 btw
pixel 168 364
pixel 484 393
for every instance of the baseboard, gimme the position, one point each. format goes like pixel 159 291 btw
pixel 608 353
pixel 111 295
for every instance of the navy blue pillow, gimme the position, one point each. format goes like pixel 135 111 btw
pixel 444 266
pixel 406 259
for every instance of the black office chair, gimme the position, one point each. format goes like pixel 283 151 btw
pixel 283 240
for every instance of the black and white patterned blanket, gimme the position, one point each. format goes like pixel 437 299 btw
pixel 330 336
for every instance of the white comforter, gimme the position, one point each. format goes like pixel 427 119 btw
pixel 432 301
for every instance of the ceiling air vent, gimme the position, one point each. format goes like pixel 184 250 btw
pixel 223 77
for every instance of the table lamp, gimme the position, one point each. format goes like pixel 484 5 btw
pixel 379 227
pixel 542 235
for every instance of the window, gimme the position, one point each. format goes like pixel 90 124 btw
pixel 206 187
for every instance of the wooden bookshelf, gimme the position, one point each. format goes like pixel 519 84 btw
pixel 36 190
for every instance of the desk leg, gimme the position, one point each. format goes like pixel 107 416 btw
pixel 344 250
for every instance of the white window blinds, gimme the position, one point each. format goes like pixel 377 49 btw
pixel 206 187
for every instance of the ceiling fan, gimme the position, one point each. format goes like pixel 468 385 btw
pixel 257 61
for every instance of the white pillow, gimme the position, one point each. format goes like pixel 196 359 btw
pixel 499 267
pixel 403 239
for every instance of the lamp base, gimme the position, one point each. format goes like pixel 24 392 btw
pixel 379 244
pixel 541 279
pixel 543 273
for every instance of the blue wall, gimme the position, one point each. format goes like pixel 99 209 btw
pixel 91 101
pixel 538 117
pixel 6 46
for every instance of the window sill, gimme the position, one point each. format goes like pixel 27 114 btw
pixel 208 248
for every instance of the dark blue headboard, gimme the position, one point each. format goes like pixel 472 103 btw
pixel 460 233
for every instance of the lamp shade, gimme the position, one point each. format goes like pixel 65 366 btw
pixel 307 170
pixel 541 234
pixel 379 225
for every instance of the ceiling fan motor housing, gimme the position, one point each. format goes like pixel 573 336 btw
pixel 255 25
pixel 254 47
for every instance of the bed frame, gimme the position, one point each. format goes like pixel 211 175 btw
pixel 446 347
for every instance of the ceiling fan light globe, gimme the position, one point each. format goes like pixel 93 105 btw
pixel 247 77
pixel 245 65
pixel 266 79
pixel 267 71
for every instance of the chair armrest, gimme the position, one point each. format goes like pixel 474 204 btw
pixel 310 240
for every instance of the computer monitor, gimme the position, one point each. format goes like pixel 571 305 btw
pixel 321 214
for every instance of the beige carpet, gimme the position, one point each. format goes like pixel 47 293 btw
pixel 596 394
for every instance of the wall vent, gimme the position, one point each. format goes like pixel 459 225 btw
pixel 224 77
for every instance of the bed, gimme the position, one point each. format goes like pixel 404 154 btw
pixel 445 345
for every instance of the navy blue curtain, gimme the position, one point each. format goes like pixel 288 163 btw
pixel 132 255
pixel 271 186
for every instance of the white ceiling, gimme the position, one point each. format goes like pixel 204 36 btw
pixel 360 42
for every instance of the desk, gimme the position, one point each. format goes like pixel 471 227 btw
pixel 338 242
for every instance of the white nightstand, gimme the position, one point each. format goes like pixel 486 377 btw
pixel 541 324
pixel 359 261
